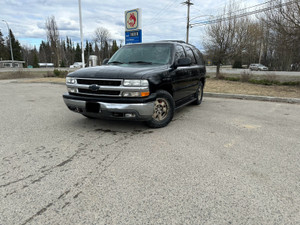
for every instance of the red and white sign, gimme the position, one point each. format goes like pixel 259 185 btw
pixel 133 19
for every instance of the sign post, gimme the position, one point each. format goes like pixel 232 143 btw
pixel 133 26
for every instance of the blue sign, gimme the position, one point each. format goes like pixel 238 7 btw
pixel 134 36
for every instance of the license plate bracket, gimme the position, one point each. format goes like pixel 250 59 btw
pixel 93 107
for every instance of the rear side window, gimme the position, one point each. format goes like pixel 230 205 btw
pixel 190 54
pixel 199 57
pixel 179 52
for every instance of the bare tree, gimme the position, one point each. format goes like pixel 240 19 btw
pixel 284 36
pixel 102 37
pixel 226 38
pixel 53 39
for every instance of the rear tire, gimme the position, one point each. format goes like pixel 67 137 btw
pixel 199 94
pixel 163 111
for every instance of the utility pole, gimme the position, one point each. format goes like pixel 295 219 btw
pixel 188 3
pixel 11 51
pixel 81 34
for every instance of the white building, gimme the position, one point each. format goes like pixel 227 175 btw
pixel 9 64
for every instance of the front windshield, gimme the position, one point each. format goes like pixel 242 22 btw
pixel 148 53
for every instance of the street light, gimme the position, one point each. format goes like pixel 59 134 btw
pixel 11 51
pixel 81 34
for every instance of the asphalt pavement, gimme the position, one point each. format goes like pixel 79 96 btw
pixel 227 161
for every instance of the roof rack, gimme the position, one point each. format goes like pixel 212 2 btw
pixel 178 41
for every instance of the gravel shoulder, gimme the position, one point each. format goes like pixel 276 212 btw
pixel 231 87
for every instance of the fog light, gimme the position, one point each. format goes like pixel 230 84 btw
pixel 131 94
pixel 72 90
pixel 129 115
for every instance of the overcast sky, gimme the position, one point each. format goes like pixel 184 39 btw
pixel 161 19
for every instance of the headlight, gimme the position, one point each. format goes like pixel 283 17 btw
pixel 70 80
pixel 136 83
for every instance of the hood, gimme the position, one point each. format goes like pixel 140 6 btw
pixel 123 71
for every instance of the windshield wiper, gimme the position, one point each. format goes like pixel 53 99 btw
pixel 141 62
pixel 116 62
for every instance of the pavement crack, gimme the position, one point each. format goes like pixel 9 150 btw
pixel 67 161
pixel 13 192
pixel 65 205
pixel 3 174
pixel 37 180
pixel 15 181
pixel 40 212
pixel 64 194
pixel 76 196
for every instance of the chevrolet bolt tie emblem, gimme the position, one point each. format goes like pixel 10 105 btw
pixel 94 87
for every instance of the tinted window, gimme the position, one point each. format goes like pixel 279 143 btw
pixel 179 52
pixel 152 53
pixel 190 54
pixel 199 57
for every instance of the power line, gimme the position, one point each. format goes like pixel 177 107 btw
pixel 219 7
pixel 160 13
pixel 202 23
pixel 254 6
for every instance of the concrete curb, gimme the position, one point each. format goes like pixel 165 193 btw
pixel 253 97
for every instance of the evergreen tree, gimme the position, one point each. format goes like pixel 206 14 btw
pixel 35 58
pixel 3 49
pixel 78 53
pixel 45 54
pixel 87 52
pixel 62 64
pixel 114 47
pixel 16 47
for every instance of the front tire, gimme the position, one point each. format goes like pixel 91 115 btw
pixel 163 111
pixel 89 117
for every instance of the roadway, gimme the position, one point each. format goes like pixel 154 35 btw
pixel 224 162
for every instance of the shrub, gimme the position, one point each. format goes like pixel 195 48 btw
pixel 264 82
pixel 60 73
pixel 232 78
pixel 291 83
pixel 246 76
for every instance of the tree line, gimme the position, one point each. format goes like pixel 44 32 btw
pixel 60 52
pixel 271 38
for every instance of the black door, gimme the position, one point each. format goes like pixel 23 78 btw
pixel 179 78
pixel 193 72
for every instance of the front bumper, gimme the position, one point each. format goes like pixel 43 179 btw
pixel 113 110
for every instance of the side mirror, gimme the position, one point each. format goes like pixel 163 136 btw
pixel 105 61
pixel 183 62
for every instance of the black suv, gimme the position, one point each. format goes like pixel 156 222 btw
pixel 145 82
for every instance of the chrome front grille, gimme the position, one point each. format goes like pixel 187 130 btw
pixel 101 87
pixel 98 87
pixel 99 92
pixel 100 82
